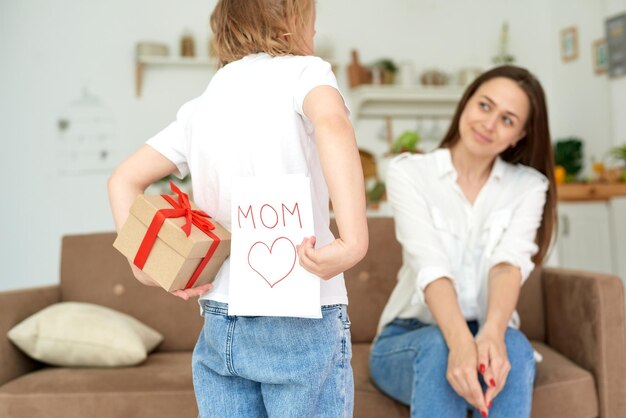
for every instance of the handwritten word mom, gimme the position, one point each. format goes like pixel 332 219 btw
pixel 268 215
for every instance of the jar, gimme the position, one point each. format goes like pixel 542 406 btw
pixel 187 45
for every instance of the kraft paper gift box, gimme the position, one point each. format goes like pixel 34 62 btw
pixel 169 238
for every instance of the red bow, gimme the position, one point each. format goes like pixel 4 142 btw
pixel 182 208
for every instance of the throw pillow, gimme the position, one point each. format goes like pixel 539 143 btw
pixel 84 334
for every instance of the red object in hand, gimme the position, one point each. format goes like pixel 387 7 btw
pixel 180 209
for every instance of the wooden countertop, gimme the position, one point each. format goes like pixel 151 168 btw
pixel 573 192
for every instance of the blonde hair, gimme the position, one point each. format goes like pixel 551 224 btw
pixel 243 27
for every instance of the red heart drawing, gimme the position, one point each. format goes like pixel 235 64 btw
pixel 273 264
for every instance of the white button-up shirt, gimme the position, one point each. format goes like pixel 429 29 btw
pixel 444 235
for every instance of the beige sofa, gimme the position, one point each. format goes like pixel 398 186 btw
pixel 575 319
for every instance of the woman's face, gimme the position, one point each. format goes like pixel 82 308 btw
pixel 494 118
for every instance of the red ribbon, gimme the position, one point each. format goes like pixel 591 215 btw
pixel 180 209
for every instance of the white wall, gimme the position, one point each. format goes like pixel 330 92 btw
pixel 48 53
pixel 580 103
pixel 446 35
pixel 618 86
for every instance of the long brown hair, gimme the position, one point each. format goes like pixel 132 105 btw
pixel 243 27
pixel 534 150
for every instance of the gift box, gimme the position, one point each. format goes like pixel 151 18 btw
pixel 172 241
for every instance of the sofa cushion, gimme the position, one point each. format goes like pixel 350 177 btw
pixel 91 258
pixel 15 305
pixel 159 387
pixel 370 282
pixel 368 400
pixel 562 389
pixel 84 334
pixel 530 307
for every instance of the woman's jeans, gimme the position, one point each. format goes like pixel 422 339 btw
pixel 249 367
pixel 409 361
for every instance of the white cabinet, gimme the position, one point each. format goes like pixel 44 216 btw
pixel 584 238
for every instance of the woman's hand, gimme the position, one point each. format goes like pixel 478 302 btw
pixel 462 374
pixel 504 286
pixel 493 361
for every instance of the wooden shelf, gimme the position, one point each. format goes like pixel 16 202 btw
pixel 184 61
pixel 576 192
pixel 142 62
pixel 390 101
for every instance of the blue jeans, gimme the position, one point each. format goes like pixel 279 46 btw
pixel 249 367
pixel 409 361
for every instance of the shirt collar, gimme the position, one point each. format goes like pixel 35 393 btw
pixel 498 168
pixel 444 162
pixel 445 167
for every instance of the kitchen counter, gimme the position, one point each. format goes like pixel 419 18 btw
pixel 573 192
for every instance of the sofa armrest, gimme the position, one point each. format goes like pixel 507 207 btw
pixel 585 322
pixel 15 306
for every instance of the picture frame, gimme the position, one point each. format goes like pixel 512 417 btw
pixel 600 56
pixel 615 35
pixel 569 44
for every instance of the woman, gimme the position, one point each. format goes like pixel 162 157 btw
pixel 473 218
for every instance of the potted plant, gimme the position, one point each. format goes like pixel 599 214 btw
pixel 163 185
pixel 388 69
pixel 408 141
pixel 568 153
pixel 618 154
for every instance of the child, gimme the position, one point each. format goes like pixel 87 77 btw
pixel 271 109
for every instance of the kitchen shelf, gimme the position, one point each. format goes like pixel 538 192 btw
pixel 390 101
pixel 403 102
pixel 142 62
pixel 590 191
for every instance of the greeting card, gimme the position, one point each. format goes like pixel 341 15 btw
pixel 270 216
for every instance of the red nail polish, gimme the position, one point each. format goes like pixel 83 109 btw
pixel 492 383
pixel 484 414
pixel 481 369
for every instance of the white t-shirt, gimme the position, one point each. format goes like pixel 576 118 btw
pixel 443 235
pixel 250 122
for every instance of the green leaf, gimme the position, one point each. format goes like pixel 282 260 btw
pixel 407 142
pixel 376 193
pixel 568 152
pixel 618 153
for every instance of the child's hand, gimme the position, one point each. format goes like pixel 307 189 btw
pixel 186 294
pixel 183 294
pixel 142 276
pixel 325 262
